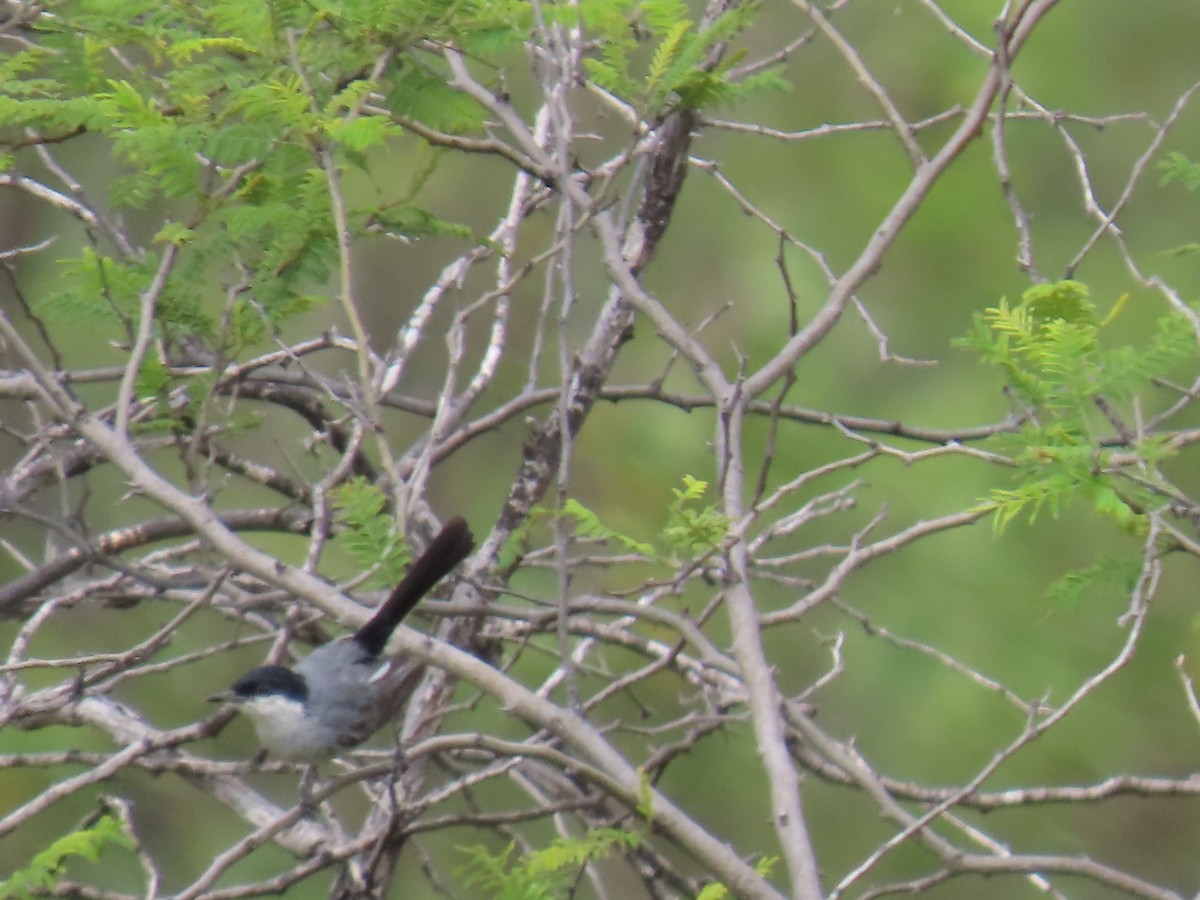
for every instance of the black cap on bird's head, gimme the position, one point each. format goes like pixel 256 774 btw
pixel 265 681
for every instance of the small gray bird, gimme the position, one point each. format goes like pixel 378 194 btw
pixel 346 690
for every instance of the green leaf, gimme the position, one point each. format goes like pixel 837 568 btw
pixel 368 534
pixel 546 874
pixel 42 874
pixel 1177 167
pixel 1065 301
pixel 588 525
pixel 1118 575
pixel 362 132
pixel 661 16
pixel 183 51
pixel 128 109
pixel 174 233
pixel 693 530
pixel 680 71
pixel 153 378
pixel 645 803
pixel 95 288
pixel 414 222
pixel 667 52
pixel 1052 350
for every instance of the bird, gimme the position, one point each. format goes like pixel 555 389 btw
pixel 347 689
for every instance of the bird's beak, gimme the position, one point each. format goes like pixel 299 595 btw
pixel 224 697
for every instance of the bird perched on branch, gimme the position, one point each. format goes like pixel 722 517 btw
pixel 346 690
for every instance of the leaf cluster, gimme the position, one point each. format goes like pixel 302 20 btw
pixel 223 117
pixel 1067 380
pixel 717 891
pixel 1069 590
pixel 546 874
pixel 588 525
pixel 40 877
pixel 1178 168
pixel 685 67
pixel 693 530
pixel 369 535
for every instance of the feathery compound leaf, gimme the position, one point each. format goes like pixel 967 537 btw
pixel 545 874
pixel 1051 348
pixel 369 535
pixel 42 875
pixel 692 531
pixel 661 16
pixel 1118 575
pixel 588 525
pixel 666 53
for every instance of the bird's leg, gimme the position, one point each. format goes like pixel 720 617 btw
pixel 399 763
pixel 399 756
pixel 308 780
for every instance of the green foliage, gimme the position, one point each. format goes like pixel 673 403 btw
pixel 1178 168
pixel 99 289
pixel 168 411
pixel 680 71
pixel 588 525
pixel 227 119
pixel 716 891
pixel 546 874
pixel 40 877
pixel 645 795
pixel 153 379
pixel 233 111
pixel 414 222
pixel 368 534
pixel 1056 365
pixel 693 530
pixel 1069 590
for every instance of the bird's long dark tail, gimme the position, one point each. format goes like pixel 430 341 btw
pixel 446 551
